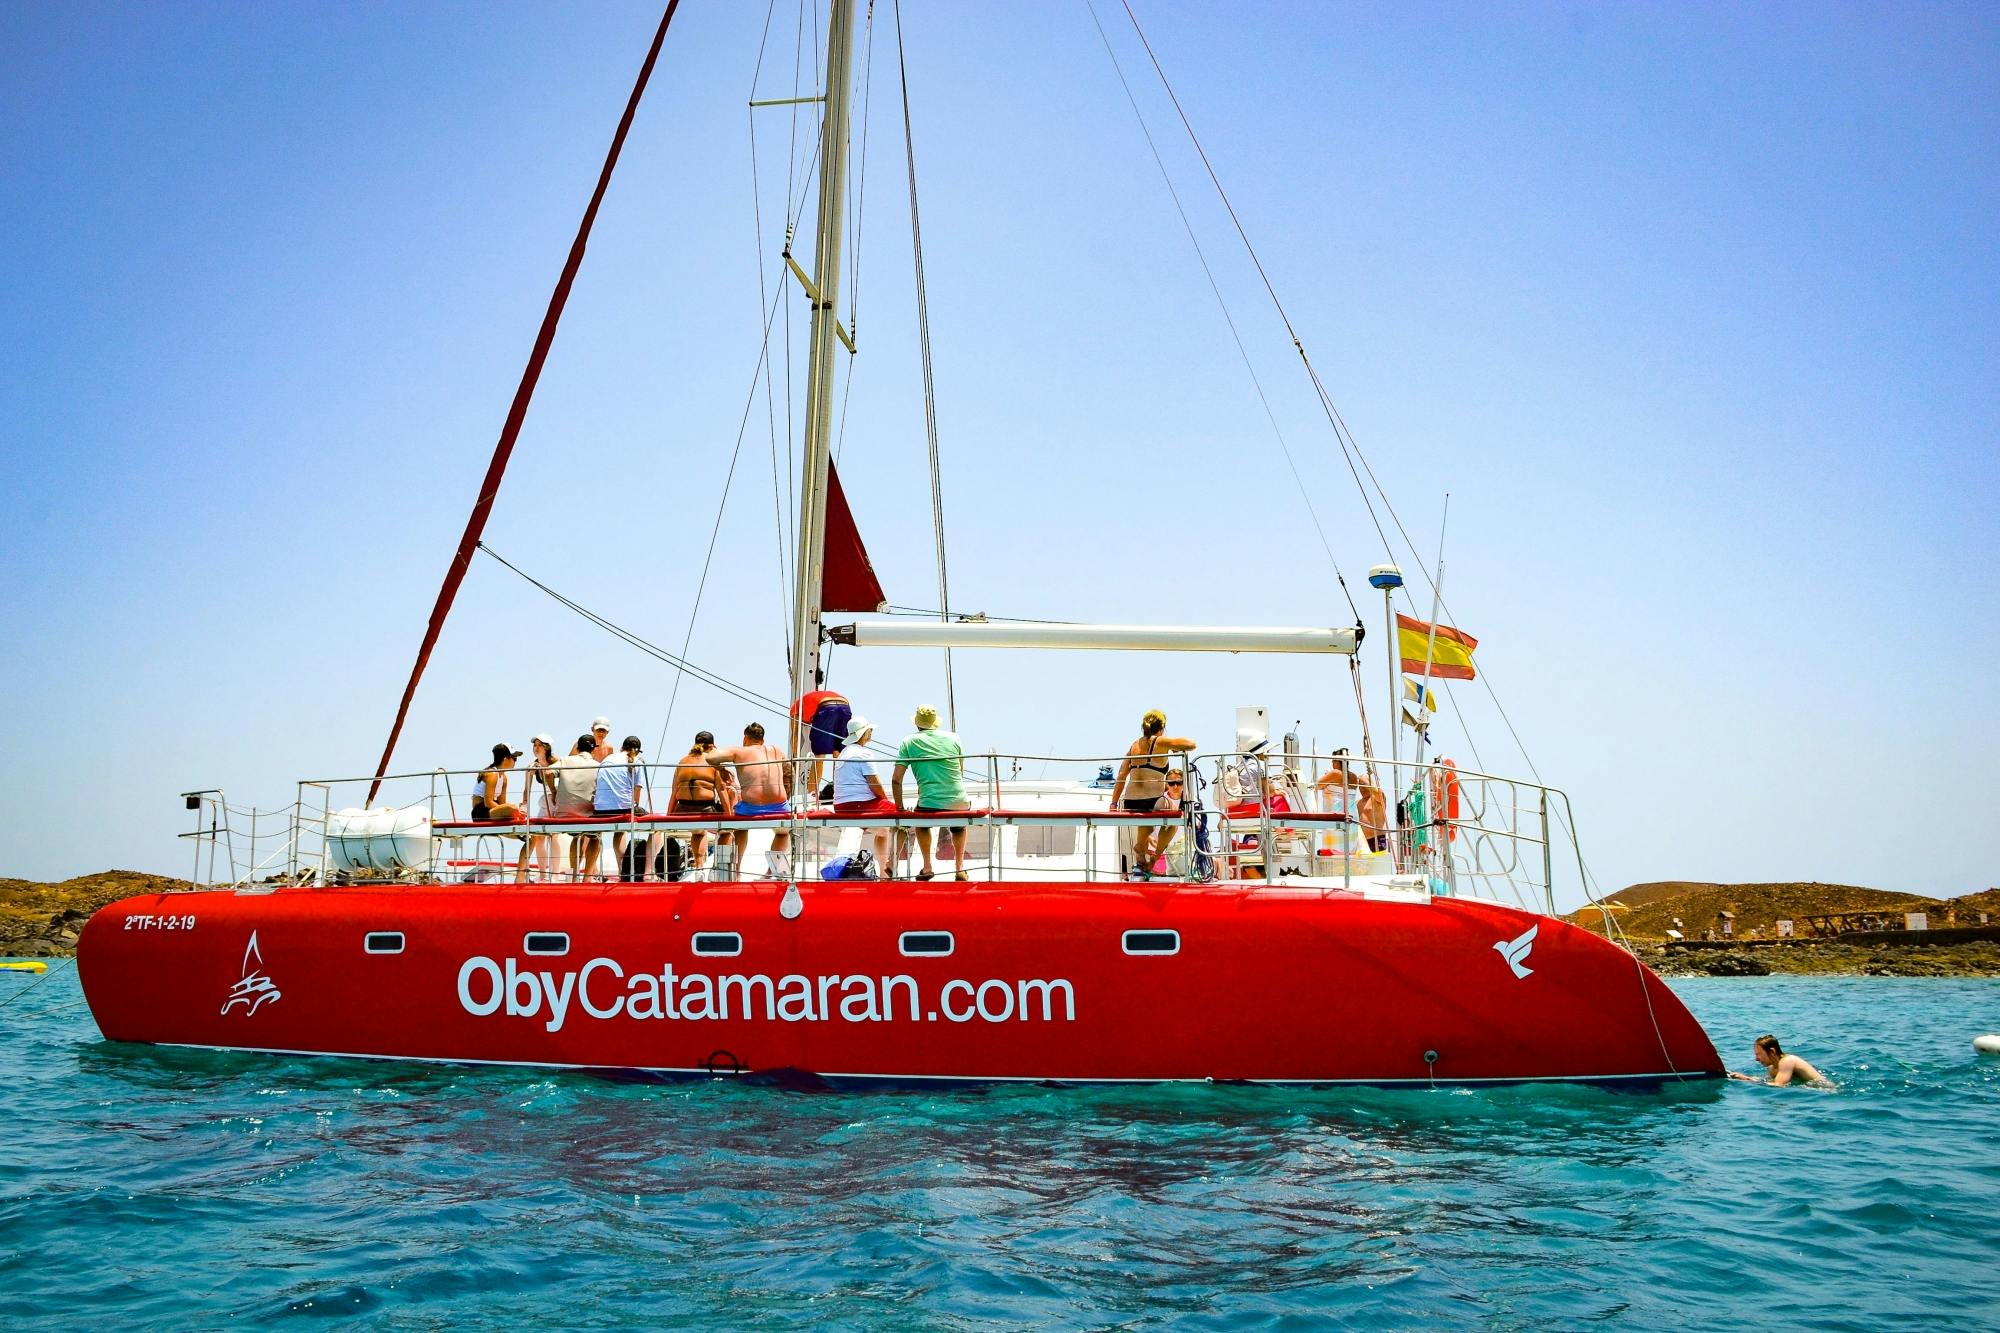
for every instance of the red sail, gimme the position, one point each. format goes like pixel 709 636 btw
pixel 849 582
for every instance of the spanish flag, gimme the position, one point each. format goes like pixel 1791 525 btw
pixel 1450 656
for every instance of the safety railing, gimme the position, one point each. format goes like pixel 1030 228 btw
pixel 1239 816
pixel 243 845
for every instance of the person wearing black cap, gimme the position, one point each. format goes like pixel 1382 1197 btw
pixel 575 776
pixel 621 790
pixel 490 801
pixel 700 790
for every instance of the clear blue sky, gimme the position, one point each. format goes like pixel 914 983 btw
pixel 1695 310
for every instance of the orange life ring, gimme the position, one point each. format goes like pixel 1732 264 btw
pixel 1450 783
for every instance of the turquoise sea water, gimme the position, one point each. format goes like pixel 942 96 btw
pixel 184 1189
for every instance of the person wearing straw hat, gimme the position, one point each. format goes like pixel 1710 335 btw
pixel 857 789
pixel 937 760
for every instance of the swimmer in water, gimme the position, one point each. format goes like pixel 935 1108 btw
pixel 1783 1068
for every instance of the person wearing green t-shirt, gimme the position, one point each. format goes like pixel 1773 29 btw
pixel 937 760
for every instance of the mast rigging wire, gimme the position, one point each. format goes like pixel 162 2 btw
pixel 770 410
pixel 701 674
pixel 740 692
pixel 510 431
pixel 924 348
pixel 854 250
pixel 860 176
pixel 931 612
pixel 715 529
pixel 1340 433
pixel 788 512
pixel 1349 446
pixel 1216 289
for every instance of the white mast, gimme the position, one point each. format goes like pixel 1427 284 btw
pixel 824 291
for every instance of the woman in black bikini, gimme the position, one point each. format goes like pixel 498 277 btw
pixel 1142 781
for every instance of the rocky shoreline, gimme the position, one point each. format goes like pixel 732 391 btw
pixel 1828 958
pixel 43 921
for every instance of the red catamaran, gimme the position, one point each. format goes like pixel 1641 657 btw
pixel 1283 943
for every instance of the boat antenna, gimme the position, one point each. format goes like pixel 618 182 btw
pixel 1430 643
pixel 489 487
pixel 823 289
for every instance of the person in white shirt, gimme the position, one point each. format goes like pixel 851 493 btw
pixel 621 791
pixel 576 791
pixel 857 789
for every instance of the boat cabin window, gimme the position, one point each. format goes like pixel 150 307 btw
pixel 1152 941
pixel 924 943
pixel 545 942
pixel 718 943
pixel 382 941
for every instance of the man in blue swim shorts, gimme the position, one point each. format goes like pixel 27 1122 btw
pixel 763 778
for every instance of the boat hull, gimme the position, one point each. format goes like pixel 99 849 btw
pixel 1263 983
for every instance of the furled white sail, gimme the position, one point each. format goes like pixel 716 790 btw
pixel 915 633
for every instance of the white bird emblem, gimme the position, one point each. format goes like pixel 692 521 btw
pixel 1516 949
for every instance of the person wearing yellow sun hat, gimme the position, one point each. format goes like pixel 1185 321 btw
pixel 937 760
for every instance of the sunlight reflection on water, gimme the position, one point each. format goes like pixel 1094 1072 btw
pixel 230 1187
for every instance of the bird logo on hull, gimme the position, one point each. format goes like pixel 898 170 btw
pixel 1515 951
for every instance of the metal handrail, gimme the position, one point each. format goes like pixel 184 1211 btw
pixel 1493 826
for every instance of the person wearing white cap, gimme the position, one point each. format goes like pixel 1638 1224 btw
pixel 601 730
pixel 857 788
pixel 621 791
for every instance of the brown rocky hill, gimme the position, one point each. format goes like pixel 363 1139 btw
pixel 1972 904
pixel 1654 906
pixel 42 919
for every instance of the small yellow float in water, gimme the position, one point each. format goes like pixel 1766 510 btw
pixel 24 967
